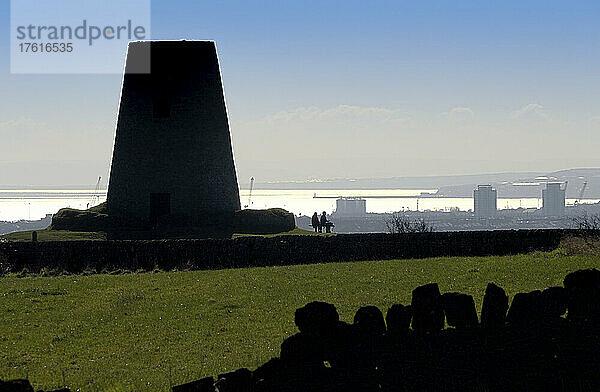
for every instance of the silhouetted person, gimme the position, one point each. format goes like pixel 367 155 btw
pixel 323 222
pixel 315 222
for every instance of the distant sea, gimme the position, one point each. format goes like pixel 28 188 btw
pixel 35 204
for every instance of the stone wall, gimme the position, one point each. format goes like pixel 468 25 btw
pixel 529 347
pixel 22 385
pixel 98 256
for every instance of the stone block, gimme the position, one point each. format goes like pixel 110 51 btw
pixel 553 302
pixel 583 294
pixel 398 318
pixel 316 318
pixel 18 385
pixel 428 312
pixel 203 385
pixel 460 310
pixel 369 321
pixel 495 305
pixel 301 348
pixel 525 309
pixel 237 381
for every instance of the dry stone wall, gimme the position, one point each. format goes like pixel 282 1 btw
pixel 530 346
pixel 98 256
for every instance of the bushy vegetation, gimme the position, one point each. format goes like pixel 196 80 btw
pixel 587 244
pixel 92 220
pixel 399 223
pixel 586 221
pixel 146 331
pixel 270 221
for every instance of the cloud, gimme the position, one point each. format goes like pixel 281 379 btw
pixel 339 113
pixel 530 110
pixel 459 113
pixel 362 141
pixel 313 141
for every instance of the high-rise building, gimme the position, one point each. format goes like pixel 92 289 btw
pixel 172 154
pixel 350 207
pixel 553 200
pixel 485 200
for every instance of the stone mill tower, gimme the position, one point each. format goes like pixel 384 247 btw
pixel 172 154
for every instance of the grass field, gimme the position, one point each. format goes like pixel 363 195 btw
pixel 147 331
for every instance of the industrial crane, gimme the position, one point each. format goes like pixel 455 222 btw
pixel 95 196
pixel 250 194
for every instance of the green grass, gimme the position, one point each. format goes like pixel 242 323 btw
pixel 146 331
pixel 296 231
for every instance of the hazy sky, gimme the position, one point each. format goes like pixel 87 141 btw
pixel 319 89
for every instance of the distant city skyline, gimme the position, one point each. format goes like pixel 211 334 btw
pixel 320 90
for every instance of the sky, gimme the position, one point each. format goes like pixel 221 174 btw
pixel 353 89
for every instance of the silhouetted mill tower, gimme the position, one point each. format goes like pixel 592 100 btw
pixel 172 154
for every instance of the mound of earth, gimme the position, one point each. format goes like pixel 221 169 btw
pixel 269 221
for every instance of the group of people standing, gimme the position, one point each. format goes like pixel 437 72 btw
pixel 319 223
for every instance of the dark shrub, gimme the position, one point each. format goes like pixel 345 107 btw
pixel 271 221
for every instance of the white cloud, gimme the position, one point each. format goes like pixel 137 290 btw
pixel 529 110
pixel 338 113
pixel 355 141
pixel 459 114
pixel 312 141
